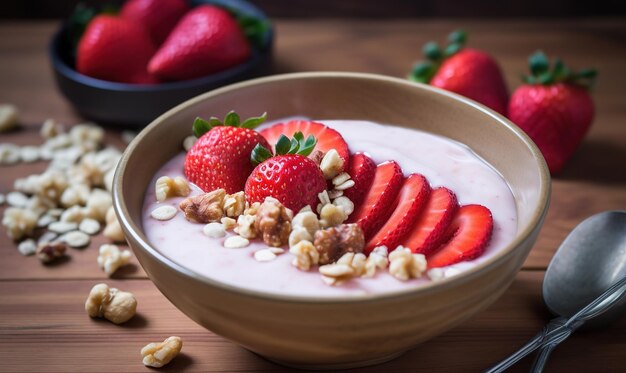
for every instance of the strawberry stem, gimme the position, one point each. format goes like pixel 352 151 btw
pixel 297 145
pixel 540 72
pixel 232 119
pixel 423 71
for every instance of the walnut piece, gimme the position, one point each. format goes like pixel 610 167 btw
pixel 204 208
pixel 19 222
pixel 111 258
pixel 331 216
pixel 157 355
pixel 333 243
pixel 306 255
pixel 234 204
pixel 50 251
pixel 228 223
pixel 273 223
pixel 404 265
pixel 112 304
pixel 166 187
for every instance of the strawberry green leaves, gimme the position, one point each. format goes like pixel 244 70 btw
pixel 423 71
pixel 297 145
pixel 540 72
pixel 232 119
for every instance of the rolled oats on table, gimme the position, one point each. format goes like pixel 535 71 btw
pixel 76 239
pixel 90 226
pixel 9 154
pixel 17 199
pixel 29 154
pixel 51 251
pixel 27 247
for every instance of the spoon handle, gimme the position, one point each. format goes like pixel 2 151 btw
pixel 598 306
pixel 526 349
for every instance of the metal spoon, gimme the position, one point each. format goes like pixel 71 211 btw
pixel 590 263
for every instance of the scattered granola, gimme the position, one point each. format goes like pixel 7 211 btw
pixel 9 154
pixel 376 260
pixel 436 274
pixel 76 239
pixel 89 226
pixel 306 255
pixel 62 227
pixel 157 355
pixel 331 216
pixel 19 222
pixel 404 265
pixel 331 164
pixel 264 255
pixel 236 242
pixel 111 258
pixel 245 226
pixel 166 212
pixel 166 187
pixel 112 304
pixel 113 229
pixel 27 247
pixel 229 223
pixel 214 230
pixel 17 199
pixel 189 142
pixel 234 204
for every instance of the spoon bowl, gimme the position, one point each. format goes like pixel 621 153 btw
pixel 589 261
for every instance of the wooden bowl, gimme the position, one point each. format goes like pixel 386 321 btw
pixel 316 333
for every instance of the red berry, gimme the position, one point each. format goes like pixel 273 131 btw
pixel 409 204
pixel 293 179
pixel 221 158
pixel 378 203
pixel 476 75
pixel 206 40
pixel 158 16
pixel 429 228
pixel 557 118
pixel 362 169
pixel 115 49
pixel 471 231
pixel 327 138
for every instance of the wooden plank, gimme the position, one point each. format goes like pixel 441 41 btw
pixel 44 326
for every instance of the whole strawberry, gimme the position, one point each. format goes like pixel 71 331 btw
pixel 220 158
pixel 290 176
pixel 158 16
pixel 554 108
pixel 206 40
pixel 468 72
pixel 115 49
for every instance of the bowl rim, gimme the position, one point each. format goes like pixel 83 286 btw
pixel 538 214
pixel 217 78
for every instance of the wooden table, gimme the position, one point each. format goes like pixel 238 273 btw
pixel 43 326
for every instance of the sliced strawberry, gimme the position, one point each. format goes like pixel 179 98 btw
pixel 327 138
pixel 378 204
pixel 470 231
pixel 409 203
pixel 430 227
pixel 361 171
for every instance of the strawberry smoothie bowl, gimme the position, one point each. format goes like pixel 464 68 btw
pixel 365 216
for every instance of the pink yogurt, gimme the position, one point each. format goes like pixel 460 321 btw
pixel 444 163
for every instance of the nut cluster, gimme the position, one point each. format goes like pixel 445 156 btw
pixel 70 198
pixel 273 222
pixel 333 243
pixel 204 208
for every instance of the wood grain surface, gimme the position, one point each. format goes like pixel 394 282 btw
pixel 43 326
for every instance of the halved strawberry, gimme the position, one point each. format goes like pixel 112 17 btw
pixel 327 138
pixel 378 203
pixel 361 171
pixel 409 203
pixel 430 227
pixel 471 231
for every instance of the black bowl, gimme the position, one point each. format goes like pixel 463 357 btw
pixel 137 105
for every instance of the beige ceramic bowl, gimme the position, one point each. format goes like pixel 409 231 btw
pixel 322 333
